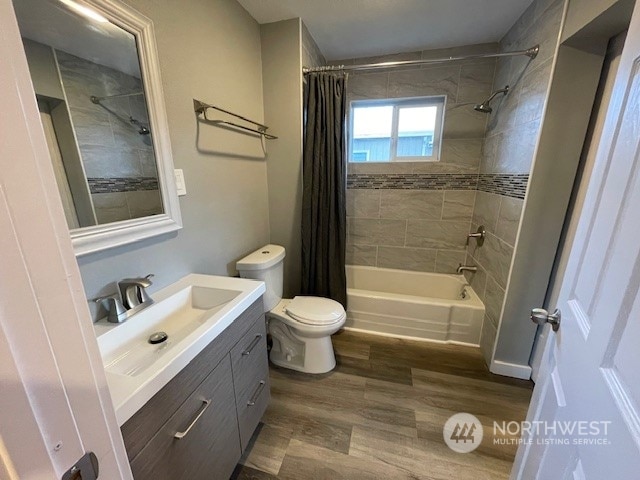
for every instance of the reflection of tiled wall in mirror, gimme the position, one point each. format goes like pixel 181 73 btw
pixel 118 160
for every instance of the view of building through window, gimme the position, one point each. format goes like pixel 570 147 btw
pixel 396 130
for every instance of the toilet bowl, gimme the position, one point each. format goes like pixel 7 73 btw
pixel 301 327
pixel 301 331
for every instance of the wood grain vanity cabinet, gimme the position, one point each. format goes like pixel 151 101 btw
pixel 199 424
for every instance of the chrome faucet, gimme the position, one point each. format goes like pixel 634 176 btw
pixel 132 291
pixel 466 268
pixel 132 298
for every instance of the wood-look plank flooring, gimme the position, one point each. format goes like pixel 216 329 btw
pixel 380 413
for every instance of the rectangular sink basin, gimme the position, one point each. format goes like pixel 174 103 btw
pixel 177 317
pixel 191 312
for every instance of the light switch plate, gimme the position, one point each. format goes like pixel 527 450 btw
pixel 181 187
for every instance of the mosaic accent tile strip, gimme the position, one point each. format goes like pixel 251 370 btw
pixel 509 185
pixel 122 184
pixel 413 181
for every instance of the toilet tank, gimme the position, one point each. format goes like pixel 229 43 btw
pixel 265 264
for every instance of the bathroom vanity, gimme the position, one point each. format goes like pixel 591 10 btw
pixel 189 405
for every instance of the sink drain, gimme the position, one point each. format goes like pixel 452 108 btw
pixel 158 337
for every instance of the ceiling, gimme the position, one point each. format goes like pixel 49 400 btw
pixel 52 23
pixel 359 28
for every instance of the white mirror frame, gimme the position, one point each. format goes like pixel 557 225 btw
pixel 101 237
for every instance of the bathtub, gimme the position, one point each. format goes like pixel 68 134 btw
pixel 426 306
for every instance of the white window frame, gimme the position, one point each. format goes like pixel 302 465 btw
pixel 439 101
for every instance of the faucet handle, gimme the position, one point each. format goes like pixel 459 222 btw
pixel 117 312
pixel 144 296
pixel 132 290
pixel 143 282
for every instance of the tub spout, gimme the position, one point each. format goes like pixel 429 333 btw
pixel 466 268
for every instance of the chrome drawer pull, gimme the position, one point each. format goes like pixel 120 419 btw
pixel 253 344
pixel 257 393
pixel 205 405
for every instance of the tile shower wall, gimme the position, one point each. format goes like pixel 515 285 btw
pixel 508 153
pixel 416 215
pixel 119 162
pixel 311 54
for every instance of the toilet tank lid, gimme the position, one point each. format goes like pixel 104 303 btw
pixel 262 258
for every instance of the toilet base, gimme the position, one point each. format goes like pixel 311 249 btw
pixel 308 355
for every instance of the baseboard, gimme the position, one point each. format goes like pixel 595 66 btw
pixel 408 337
pixel 510 370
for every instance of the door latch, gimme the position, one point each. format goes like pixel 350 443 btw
pixel 85 469
pixel 540 316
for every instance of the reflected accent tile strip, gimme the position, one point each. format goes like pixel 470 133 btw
pixel 510 185
pixel 121 184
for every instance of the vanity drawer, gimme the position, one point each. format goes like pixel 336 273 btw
pixel 209 448
pixel 142 426
pixel 250 366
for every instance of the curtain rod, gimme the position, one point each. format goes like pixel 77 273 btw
pixel 529 52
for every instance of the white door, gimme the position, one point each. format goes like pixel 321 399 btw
pixel 54 399
pixel 587 399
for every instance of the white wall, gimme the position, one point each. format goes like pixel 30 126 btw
pixel 282 75
pixel 43 69
pixel 581 12
pixel 208 50
pixel 605 89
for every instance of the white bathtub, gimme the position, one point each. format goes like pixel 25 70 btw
pixel 418 305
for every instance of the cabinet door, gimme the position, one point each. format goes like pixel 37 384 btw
pixel 251 379
pixel 209 446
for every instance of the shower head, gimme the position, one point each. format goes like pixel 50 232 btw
pixel 485 106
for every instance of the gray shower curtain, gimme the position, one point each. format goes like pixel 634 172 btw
pixel 324 187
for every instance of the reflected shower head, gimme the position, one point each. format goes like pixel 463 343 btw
pixel 485 106
pixel 142 130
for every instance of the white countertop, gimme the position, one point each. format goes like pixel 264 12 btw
pixel 130 392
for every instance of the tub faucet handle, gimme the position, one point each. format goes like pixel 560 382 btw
pixel 478 235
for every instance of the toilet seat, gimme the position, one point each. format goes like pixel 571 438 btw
pixel 315 310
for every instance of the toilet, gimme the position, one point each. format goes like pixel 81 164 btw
pixel 301 327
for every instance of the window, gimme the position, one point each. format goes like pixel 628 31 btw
pixel 396 130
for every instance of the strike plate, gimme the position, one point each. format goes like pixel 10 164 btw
pixel 85 469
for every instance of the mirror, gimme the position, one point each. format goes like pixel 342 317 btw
pixel 96 81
